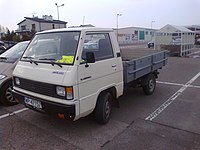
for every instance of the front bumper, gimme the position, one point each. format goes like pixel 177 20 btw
pixel 47 107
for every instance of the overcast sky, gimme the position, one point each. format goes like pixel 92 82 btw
pixel 102 13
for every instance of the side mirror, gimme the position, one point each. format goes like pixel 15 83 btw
pixel 90 58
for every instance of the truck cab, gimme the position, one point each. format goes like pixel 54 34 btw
pixel 70 73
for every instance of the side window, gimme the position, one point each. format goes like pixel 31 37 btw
pixel 100 44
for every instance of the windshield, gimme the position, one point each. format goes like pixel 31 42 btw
pixel 57 47
pixel 16 51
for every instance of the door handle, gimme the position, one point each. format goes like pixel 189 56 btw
pixel 86 78
pixel 114 66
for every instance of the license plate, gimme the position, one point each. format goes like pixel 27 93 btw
pixel 34 103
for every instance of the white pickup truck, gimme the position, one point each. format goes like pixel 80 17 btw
pixel 72 73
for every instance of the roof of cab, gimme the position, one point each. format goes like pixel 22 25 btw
pixel 86 29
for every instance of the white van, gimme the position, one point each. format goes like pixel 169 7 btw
pixel 60 74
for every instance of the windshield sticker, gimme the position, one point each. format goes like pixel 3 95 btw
pixel 66 59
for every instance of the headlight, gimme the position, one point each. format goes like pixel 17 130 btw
pixel 2 76
pixel 66 92
pixel 60 91
pixel 17 81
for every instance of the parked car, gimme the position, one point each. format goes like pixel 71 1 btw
pixel 197 42
pixel 8 61
pixel 2 47
pixel 151 44
pixel 91 45
pixel 176 41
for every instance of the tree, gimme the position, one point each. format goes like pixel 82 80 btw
pixel 25 37
pixel 32 33
pixel 16 38
pixel 8 36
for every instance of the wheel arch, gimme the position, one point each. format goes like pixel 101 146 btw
pixel 9 80
pixel 6 97
pixel 144 79
pixel 113 91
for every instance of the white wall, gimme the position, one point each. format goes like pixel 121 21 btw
pixel 129 34
pixel 28 23
pixel 39 26
pixel 47 26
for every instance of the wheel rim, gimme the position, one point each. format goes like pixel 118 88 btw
pixel 9 95
pixel 107 109
pixel 151 85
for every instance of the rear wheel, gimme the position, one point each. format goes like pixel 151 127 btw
pixel 149 88
pixel 6 96
pixel 103 108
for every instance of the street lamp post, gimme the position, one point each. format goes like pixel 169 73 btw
pixel 58 8
pixel 152 23
pixel 83 20
pixel 118 15
pixel 151 28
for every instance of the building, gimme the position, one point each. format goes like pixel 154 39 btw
pixel 134 34
pixel 177 39
pixel 196 30
pixel 36 24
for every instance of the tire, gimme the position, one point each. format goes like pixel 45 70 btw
pixel 103 108
pixel 6 96
pixel 149 88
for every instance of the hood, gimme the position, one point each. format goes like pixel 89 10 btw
pixel 5 67
pixel 41 72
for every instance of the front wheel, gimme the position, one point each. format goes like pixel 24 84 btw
pixel 103 108
pixel 6 96
pixel 149 88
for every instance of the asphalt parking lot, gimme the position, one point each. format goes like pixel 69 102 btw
pixel 169 119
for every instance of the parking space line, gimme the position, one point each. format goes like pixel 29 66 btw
pixel 193 53
pixel 170 83
pixel 13 113
pixel 195 86
pixel 177 84
pixel 171 99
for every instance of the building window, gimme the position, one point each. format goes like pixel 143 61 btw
pixel 33 27
pixel 23 27
pixel 127 37
pixel 136 32
pixel 53 26
pixel 141 35
pixel 146 33
pixel 174 34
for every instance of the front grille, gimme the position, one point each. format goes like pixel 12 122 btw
pixel 38 87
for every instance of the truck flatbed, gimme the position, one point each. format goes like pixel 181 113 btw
pixel 138 63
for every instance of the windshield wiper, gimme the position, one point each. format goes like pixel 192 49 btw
pixel 52 60
pixel 3 58
pixel 31 60
pixel 27 57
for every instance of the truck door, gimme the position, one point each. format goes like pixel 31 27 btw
pixel 99 75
